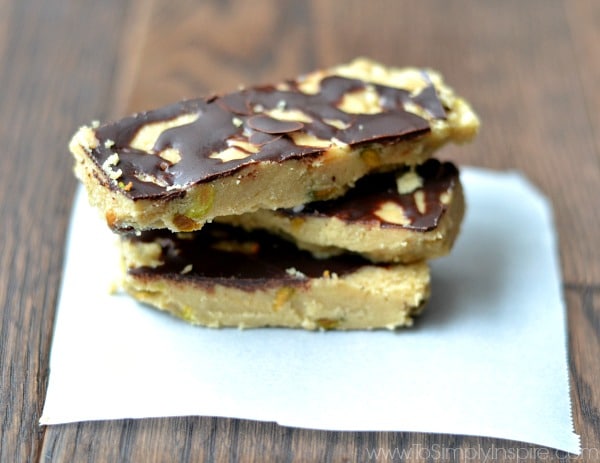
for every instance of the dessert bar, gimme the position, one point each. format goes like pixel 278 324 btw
pixel 225 276
pixel 404 216
pixel 266 147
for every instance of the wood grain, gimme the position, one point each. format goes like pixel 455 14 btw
pixel 529 68
pixel 51 68
pixel 584 316
pixel 509 73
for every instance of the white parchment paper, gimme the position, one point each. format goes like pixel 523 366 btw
pixel 488 357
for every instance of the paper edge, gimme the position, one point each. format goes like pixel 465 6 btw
pixel 557 264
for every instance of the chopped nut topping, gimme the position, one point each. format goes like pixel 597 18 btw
pixel 415 109
pixel 338 142
pixel 310 84
pixel 293 272
pixel 171 155
pixel 146 137
pixel 143 177
pixel 283 114
pixel 108 166
pixel 365 101
pixel 186 269
pixel 306 139
pixel 392 213
pixel 445 198
pixel 408 182
pixel 112 160
pixel 329 274
pixel 125 187
pixel 420 201
pixel 230 154
pixel 243 146
pixel 283 87
pixel 337 123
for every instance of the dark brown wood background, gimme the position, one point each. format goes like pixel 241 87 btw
pixel 530 68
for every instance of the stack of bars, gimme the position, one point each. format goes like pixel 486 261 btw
pixel 312 203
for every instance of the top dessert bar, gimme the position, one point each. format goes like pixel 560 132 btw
pixel 266 147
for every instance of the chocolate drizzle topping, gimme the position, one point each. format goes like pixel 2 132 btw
pixel 225 255
pixel 269 125
pixel 237 118
pixel 369 194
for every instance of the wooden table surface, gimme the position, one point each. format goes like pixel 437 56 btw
pixel 530 68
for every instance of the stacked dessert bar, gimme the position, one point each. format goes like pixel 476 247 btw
pixel 312 203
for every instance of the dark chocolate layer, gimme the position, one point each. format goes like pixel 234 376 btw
pixel 239 117
pixel 224 255
pixel 370 193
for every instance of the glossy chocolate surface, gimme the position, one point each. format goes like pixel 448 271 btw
pixel 240 118
pixel 224 255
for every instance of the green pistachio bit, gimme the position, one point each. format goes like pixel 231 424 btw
pixel 202 204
